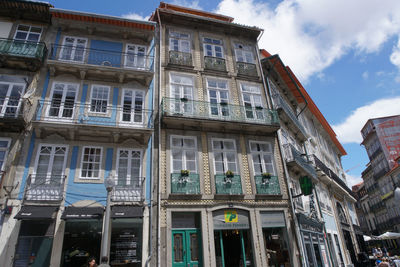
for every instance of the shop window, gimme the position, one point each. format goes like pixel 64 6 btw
pixel 276 246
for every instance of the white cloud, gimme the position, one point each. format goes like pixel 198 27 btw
pixel 365 75
pixel 395 58
pixel 353 180
pixel 135 16
pixel 310 35
pixel 349 130
pixel 187 3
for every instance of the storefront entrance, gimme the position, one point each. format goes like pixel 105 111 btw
pixel 230 248
pixel 186 248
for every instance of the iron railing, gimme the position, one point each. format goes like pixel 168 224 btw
pixel 267 186
pixel 280 103
pixel 381 173
pixel 43 187
pixel 218 111
pixel 19 48
pixel 180 58
pixel 69 111
pixel 214 63
pixel 128 192
pixel 185 184
pixel 96 57
pixel 245 68
pixel 293 155
pixel 225 185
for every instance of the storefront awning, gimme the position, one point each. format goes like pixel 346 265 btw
pixel 36 213
pixel 71 213
pixel 126 212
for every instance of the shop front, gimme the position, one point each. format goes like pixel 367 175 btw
pixel 275 238
pixel 35 237
pixel 232 238
pixel 313 241
pixel 82 235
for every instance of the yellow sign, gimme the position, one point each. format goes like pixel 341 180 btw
pixel 231 216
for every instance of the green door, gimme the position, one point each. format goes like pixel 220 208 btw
pixel 186 248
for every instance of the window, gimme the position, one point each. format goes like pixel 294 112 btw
pixel 183 152
pixel 50 161
pixel 244 53
pixel 28 33
pixel 218 94
pixel 128 167
pixel 135 56
pixel 297 191
pixel 213 48
pixel 262 156
pixel 182 91
pixel 99 98
pixel 91 162
pixel 73 49
pixel 179 42
pixel 63 97
pixel 4 144
pixel 132 106
pixel 224 156
pixel 252 101
pixel 10 96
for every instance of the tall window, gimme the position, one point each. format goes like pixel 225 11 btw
pixel 99 98
pixel 50 161
pixel 213 48
pixel 183 151
pixel 135 56
pixel 128 168
pixel 132 105
pixel 252 101
pixel 218 94
pixel 73 49
pixel 10 96
pixel 4 144
pixel 179 42
pixel 63 99
pixel 28 33
pixel 244 53
pixel 224 151
pixel 182 91
pixel 91 162
pixel 262 158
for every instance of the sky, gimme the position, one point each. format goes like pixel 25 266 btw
pixel 345 53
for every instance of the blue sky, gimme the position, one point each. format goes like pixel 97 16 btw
pixel 345 53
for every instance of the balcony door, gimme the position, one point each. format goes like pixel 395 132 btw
pixel 26 39
pixel 252 102
pixel 73 49
pixel 135 56
pixel 132 106
pixel 10 96
pixel 182 94
pixel 128 180
pixel 218 95
pixel 63 98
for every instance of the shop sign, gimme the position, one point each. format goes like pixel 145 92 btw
pixel 231 219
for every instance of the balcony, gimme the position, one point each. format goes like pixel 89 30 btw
pixel 180 58
pixel 228 185
pixel 42 187
pixel 128 192
pixel 286 114
pixel 267 186
pixel 214 63
pixel 185 185
pixel 11 114
pixel 108 65
pixel 22 54
pixel 246 69
pixel 299 161
pixel 111 121
pixel 222 116
pixel 377 206
pixel 381 173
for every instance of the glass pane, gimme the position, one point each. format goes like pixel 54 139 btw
pixel 178 248
pixel 194 247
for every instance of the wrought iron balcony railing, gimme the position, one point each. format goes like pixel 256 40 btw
pixel 89 56
pixel 25 49
pixel 43 187
pixel 228 185
pixel 280 103
pixel 293 155
pixel 180 58
pixel 267 186
pixel 214 63
pixel 131 191
pixel 222 111
pixel 248 69
pixel 69 111
pixel 189 185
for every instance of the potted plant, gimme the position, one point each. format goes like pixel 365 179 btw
pixel 229 174
pixel 184 99
pixel 185 173
pixel 266 176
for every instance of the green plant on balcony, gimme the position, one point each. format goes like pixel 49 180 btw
pixel 185 173
pixel 184 99
pixel 183 179
pixel 266 177
pixel 228 177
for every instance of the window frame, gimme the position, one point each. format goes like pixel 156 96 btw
pixel 61 108
pixel 28 32
pixel 4 106
pixel 82 162
pixel 136 65
pixel 91 99
pixel 133 108
pixel 244 49
pixel 180 40
pixel 73 49
pixel 8 140
pixel 262 153
pixel 218 96
pixel 51 160
pixel 213 46
pixel 224 151
pixel 129 181
pixel 184 150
